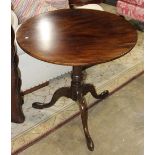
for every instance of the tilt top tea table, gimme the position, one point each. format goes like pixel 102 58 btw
pixel 77 38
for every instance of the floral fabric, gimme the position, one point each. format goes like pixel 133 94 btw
pixel 134 11
pixel 136 2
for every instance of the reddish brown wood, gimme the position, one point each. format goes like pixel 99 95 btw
pixel 77 87
pixel 17 115
pixel 76 92
pixel 76 37
pixel 72 117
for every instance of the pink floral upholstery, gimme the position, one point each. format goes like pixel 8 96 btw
pixel 131 8
pixel 136 2
pixel 25 9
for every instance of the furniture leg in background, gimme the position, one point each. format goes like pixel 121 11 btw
pixel 17 115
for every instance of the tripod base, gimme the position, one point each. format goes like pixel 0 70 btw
pixel 76 92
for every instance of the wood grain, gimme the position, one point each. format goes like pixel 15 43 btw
pixel 76 37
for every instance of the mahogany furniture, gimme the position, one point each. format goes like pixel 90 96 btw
pixel 77 38
pixel 16 102
pixel 17 115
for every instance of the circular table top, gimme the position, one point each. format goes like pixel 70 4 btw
pixel 76 37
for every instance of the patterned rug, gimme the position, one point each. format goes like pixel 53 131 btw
pixel 109 76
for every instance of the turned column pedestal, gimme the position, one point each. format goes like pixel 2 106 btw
pixel 76 92
pixel 78 38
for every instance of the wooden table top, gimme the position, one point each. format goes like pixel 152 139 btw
pixel 76 37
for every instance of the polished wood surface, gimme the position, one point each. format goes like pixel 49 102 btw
pixel 76 37
pixel 76 92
